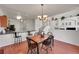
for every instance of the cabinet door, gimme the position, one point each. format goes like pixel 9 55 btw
pixel 3 21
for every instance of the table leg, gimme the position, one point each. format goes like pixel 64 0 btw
pixel 38 49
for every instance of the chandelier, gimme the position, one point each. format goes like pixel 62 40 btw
pixel 43 17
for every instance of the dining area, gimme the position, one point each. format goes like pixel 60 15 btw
pixel 40 42
pixel 27 43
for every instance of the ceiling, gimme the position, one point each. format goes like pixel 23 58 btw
pixel 31 11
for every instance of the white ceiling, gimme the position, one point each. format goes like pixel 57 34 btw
pixel 31 11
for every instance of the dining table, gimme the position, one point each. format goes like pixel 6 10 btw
pixel 39 39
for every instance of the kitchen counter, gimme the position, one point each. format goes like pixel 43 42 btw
pixel 8 39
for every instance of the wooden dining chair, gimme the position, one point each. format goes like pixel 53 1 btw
pixel 52 39
pixel 32 45
pixel 48 43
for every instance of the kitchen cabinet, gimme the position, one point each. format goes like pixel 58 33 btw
pixel 3 21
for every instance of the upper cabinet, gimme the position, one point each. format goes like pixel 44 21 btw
pixel 3 21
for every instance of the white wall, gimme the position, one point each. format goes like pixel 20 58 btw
pixel 23 26
pixel 30 23
pixel 38 24
pixel 71 37
pixel 68 36
pixel 1 12
pixel 16 23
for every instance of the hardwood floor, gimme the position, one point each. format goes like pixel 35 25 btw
pixel 59 48
pixel 65 48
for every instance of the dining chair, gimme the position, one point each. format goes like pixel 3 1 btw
pixel 52 39
pixel 50 34
pixel 46 44
pixel 32 45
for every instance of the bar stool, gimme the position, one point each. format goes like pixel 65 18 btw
pixel 18 38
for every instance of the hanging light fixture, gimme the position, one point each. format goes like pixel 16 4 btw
pixel 43 17
pixel 19 17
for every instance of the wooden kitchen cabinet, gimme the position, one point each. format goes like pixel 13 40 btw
pixel 3 21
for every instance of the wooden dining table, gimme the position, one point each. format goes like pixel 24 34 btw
pixel 39 40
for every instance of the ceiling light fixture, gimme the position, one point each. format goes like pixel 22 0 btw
pixel 19 17
pixel 43 17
